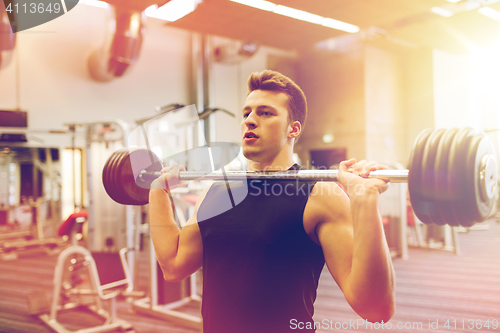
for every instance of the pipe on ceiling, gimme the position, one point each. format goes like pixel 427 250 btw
pixel 126 29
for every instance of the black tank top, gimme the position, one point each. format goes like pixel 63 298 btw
pixel 260 268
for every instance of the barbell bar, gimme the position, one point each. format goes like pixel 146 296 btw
pixel 452 176
pixel 393 176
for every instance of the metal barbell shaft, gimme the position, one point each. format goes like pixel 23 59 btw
pixel 394 176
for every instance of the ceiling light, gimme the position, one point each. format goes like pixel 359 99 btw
pixel 441 11
pixel 454 1
pixel 339 25
pixel 172 10
pixel 150 10
pixel 299 15
pixel 490 12
pixel 259 4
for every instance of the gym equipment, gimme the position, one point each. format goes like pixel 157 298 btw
pixel 166 298
pixel 66 227
pixel 82 280
pixel 34 244
pixel 76 291
pixel 452 176
pixel 175 130
pixel 110 226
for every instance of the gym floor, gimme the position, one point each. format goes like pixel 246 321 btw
pixel 432 286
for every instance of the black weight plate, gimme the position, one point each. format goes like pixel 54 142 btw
pixel 477 208
pixel 148 161
pixel 107 175
pixel 131 194
pixel 111 171
pixel 457 162
pixel 415 174
pixel 116 184
pixel 470 177
pixel 442 195
pixel 427 169
pixel 105 169
pixel 138 159
pixel 104 174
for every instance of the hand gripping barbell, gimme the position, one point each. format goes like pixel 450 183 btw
pixel 452 176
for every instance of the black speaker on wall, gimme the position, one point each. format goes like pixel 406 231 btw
pixel 13 118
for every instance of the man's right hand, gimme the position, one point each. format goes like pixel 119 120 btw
pixel 353 176
pixel 169 179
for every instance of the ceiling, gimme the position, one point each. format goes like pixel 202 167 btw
pixel 406 23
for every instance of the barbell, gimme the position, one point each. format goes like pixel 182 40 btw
pixel 452 176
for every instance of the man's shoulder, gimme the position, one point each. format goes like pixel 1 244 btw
pixel 327 199
pixel 323 190
pixel 327 205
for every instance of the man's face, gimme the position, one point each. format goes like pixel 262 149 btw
pixel 265 124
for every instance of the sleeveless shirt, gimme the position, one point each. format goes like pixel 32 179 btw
pixel 260 268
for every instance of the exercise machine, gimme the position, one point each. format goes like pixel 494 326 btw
pixel 82 281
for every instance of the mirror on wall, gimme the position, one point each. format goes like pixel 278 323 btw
pixel 30 190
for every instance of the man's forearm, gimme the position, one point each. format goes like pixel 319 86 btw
pixel 372 274
pixel 164 231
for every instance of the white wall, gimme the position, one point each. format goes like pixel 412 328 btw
pixel 358 99
pixel 385 128
pixel 485 96
pixel 452 91
pixel 418 94
pixel 334 87
pixel 467 92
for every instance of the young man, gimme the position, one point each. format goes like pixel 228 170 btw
pixel 262 259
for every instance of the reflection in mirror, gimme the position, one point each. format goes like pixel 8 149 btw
pixel 30 191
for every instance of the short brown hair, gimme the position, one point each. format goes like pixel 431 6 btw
pixel 275 81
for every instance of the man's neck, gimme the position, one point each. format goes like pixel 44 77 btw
pixel 282 161
pixel 271 165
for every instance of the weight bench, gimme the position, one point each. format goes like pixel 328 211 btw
pixel 106 276
pixel 11 250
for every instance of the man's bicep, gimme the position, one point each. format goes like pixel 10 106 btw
pixel 190 250
pixel 335 234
